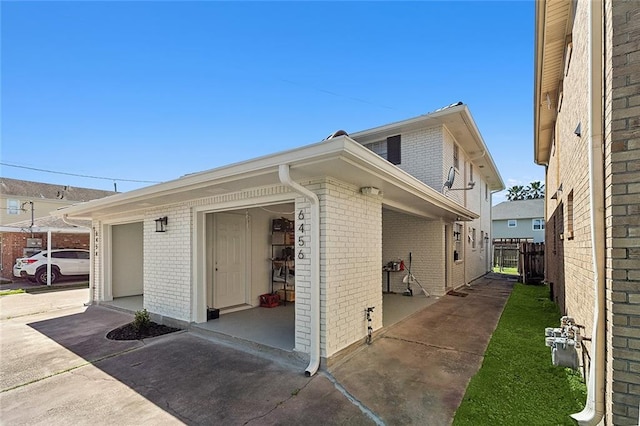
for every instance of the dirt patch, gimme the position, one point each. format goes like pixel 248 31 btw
pixel 130 332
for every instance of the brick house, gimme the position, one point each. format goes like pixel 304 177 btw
pixel 357 202
pixel 20 239
pixel 587 135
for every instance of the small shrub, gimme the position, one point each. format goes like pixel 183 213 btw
pixel 142 320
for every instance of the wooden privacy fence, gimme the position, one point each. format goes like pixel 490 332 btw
pixel 505 256
pixel 531 262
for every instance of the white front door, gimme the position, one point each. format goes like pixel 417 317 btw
pixel 229 260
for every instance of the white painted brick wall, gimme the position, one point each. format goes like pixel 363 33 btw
pixel 403 234
pixel 167 263
pixel 351 247
pixel 421 155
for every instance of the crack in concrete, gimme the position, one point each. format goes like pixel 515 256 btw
pixel 447 348
pixel 363 408
pixel 278 404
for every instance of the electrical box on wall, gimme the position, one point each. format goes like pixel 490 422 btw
pixel 34 242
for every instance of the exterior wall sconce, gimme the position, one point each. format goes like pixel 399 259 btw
pixel 370 190
pixel 161 224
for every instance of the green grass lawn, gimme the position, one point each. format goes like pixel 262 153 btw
pixel 517 384
pixel 510 271
pixel 9 292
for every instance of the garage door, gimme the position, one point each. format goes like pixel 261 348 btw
pixel 127 260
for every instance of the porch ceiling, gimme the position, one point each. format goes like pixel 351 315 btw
pixel 552 20
pixel 340 158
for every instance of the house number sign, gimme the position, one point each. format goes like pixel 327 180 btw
pixel 300 238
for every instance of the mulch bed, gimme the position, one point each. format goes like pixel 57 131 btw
pixel 129 332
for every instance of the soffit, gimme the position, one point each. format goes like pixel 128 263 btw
pixel 552 18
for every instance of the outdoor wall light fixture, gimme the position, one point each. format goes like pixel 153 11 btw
pixel 161 224
pixel 369 190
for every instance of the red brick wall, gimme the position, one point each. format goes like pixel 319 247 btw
pixel 14 242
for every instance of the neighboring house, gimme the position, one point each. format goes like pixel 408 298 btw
pixel 21 198
pixel 25 218
pixel 354 210
pixel 518 220
pixel 20 239
pixel 587 135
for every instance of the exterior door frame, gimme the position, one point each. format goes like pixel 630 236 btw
pixel 199 245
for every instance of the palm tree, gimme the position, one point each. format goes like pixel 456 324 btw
pixel 516 192
pixel 535 190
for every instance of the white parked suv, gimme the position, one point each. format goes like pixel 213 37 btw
pixel 64 262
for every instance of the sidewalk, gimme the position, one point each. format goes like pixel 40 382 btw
pixel 417 372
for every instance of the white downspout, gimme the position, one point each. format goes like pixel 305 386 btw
pixel 594 407
pixel 285 178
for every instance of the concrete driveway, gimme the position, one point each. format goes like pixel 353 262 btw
pixel 58 368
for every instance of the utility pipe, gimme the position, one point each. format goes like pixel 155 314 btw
pixel 285 178
pixel 92 249
pixel 594 407
pixel 49 257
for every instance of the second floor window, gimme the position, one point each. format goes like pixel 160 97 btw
pixel 388 149
pixel 13 206
pixel 512 223
pixel 538 224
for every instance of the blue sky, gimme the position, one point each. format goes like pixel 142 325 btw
pixel 151 91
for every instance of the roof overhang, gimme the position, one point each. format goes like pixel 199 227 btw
pixel 552 22
pixel 44 230
pixel 340 158
pixel 459 122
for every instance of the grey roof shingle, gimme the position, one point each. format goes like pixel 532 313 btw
pixel 521 209
pixel 25 188
pixel 50 222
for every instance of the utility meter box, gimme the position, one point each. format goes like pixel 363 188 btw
pixel 34 242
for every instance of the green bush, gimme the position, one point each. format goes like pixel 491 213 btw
pixel 142 320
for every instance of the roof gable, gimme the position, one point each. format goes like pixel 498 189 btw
pixel 521 209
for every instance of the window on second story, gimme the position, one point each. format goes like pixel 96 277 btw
pixel 486 192
pixel 456 161
pixel 13 206
pixel 512 223
pixel 388 149
pixel 538 224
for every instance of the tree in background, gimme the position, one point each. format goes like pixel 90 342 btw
pixel 534 191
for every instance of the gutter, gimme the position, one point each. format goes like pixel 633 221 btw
pixel 594 407
pixel 285 178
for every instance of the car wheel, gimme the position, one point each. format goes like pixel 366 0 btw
pixel 41 275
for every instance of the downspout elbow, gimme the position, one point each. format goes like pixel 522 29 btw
pixel 285 179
